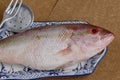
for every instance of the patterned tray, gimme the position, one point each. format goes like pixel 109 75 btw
pixel 8 71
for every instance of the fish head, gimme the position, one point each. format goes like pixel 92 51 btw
pixel 91 39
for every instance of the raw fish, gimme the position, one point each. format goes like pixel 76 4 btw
pixel 54 47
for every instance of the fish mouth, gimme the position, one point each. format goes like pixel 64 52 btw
pixel 107 35
pixel 108 38
pixel 105 40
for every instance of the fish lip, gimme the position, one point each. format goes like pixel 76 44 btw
pixel 113 35
pixel 107 34
pixel 109 37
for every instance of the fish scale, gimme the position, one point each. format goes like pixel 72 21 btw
pixel 54 47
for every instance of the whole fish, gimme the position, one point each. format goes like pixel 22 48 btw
pixel 54 47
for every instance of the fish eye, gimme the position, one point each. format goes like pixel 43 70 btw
pixel 94 31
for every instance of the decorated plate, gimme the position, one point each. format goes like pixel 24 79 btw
pixel 9 71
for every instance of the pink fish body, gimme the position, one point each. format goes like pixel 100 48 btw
pixel 54 47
